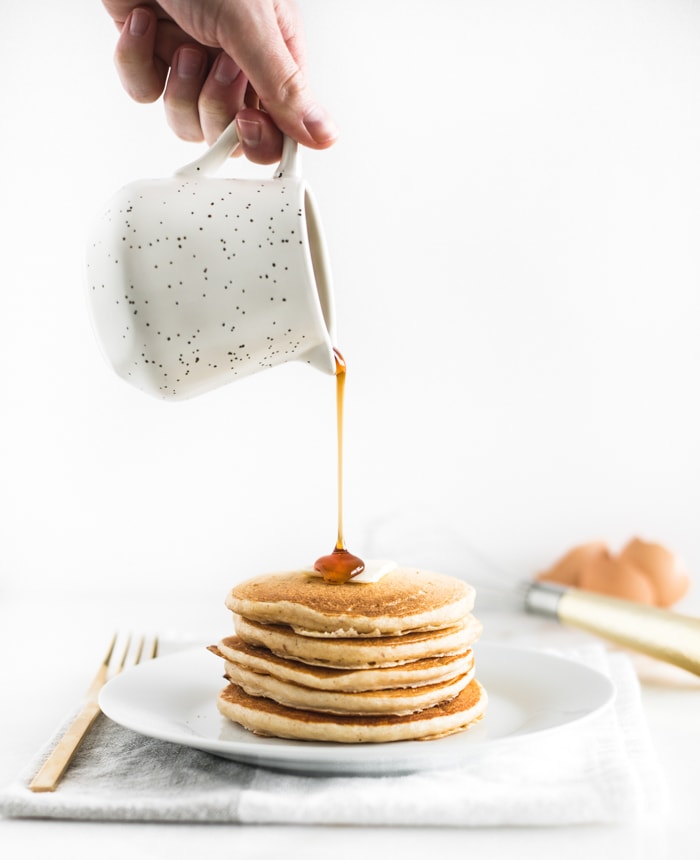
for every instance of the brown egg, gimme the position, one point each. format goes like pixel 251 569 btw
pixel 618 578
pixel 666 574
pixel 567 570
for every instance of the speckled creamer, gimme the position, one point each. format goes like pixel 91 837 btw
pixel 195 281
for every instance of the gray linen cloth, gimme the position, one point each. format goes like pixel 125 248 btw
pixel 604 770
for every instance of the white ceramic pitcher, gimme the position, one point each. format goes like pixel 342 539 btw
pixel 195 281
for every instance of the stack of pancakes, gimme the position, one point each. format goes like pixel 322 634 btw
pixel 358 662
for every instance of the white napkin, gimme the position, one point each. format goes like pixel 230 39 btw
pixel 604 770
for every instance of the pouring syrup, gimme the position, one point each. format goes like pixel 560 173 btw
pixel 341 565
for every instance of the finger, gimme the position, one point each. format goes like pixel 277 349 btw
pixel 260 138
pixel 169 37
pixel 251 97
pixel 141 73
pixel 221 97
pixel 188 73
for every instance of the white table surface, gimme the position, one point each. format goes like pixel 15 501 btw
pixel 51 642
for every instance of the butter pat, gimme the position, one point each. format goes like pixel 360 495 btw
pixel 374 570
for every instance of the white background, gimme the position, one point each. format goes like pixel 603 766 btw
pixel 513 212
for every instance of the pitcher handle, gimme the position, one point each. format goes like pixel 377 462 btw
pixel 223 147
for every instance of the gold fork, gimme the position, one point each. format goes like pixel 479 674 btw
pixel 57 763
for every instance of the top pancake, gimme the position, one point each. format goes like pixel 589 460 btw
pixel 404 600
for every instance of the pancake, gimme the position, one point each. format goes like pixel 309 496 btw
pixel 399 700
pixel 359 652
pixel 266 717
pixel 414 674
pixel 404 600
pixel 373 662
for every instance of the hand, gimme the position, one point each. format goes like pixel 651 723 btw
pixel 214 60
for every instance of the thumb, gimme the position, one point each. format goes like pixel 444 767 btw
pixel 266 44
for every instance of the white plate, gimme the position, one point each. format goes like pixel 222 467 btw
pixel 530 692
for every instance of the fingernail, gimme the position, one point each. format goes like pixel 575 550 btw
pixel 319 125
pixel 249 131
pixel 189 63
pixel 139 22
pixel 226 70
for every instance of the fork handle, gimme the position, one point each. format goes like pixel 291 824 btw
pixel 55 765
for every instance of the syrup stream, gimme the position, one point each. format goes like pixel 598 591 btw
pixel 340 565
